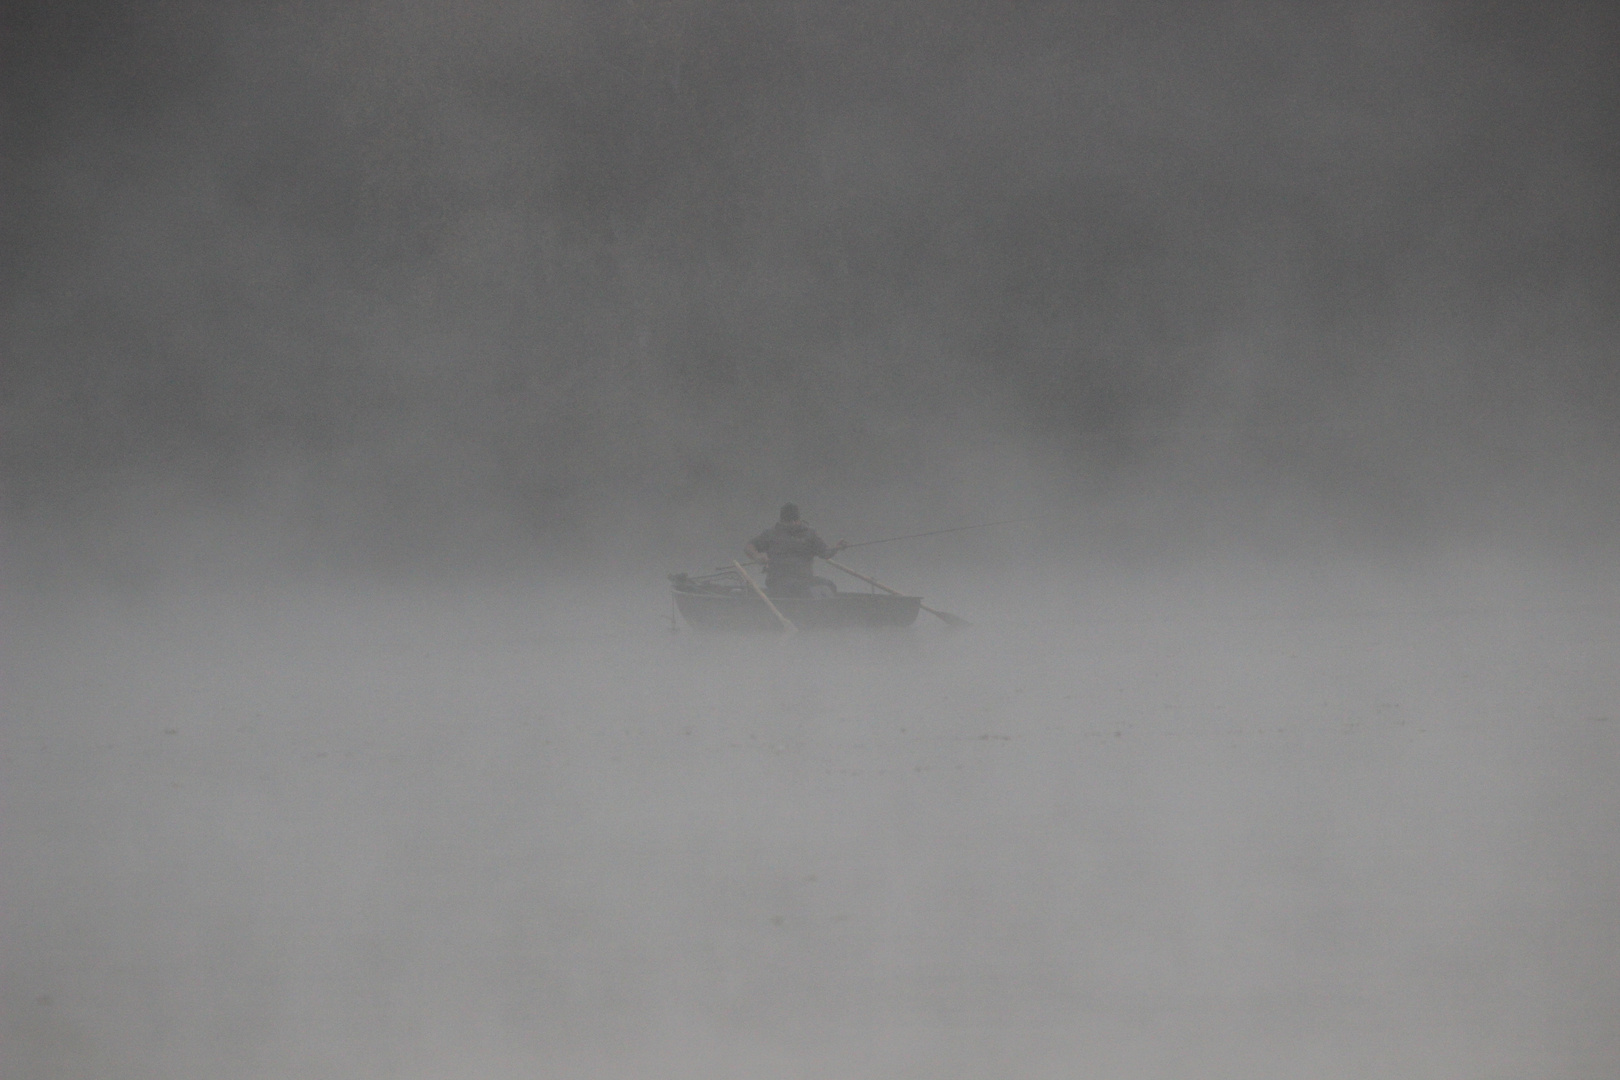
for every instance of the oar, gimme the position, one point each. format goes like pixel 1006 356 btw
pixel 950 620
pixel 787 625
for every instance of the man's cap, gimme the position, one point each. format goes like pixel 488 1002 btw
pixel 790 512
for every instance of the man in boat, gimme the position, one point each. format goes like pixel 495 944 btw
pixel 788 551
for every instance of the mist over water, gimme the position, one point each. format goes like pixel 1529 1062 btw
pixel 1152 827
pixel 364 368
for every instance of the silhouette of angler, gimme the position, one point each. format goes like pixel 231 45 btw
pixel 788 551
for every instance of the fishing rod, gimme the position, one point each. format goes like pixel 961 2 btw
pixel 725 570
pixel 939 532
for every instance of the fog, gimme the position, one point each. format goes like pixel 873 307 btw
pixel 364 369
pixel 1152 828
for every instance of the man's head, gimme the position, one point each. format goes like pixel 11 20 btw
pixel 790 513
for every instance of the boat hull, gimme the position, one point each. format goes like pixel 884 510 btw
pixel 748 614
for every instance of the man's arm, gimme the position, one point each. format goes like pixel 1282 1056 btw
pixel 826 552
pixel 757 555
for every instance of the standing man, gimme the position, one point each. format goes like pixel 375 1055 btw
pixel 788 551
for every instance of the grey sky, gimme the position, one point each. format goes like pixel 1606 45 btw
pixel 556 254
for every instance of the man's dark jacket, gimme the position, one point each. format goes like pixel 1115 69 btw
pixel 793 548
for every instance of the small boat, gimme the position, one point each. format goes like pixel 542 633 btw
pixel 725 602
